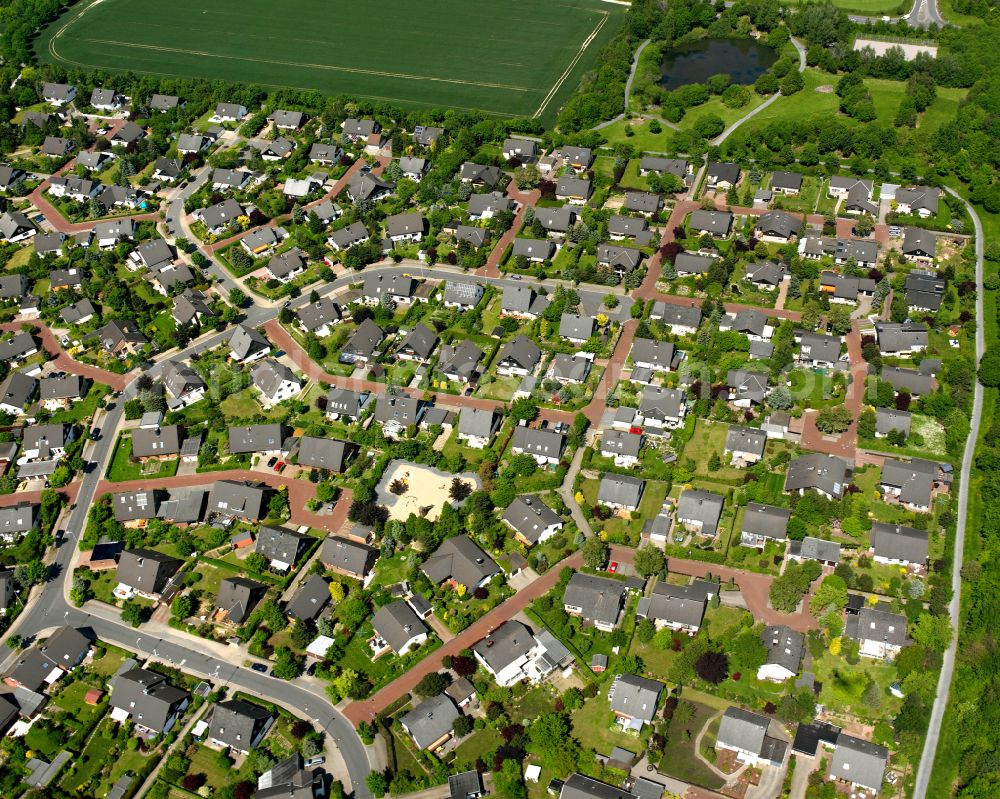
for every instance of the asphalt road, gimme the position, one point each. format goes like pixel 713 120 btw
pixel 954 607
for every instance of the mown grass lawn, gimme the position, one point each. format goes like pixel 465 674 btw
pixel 679 759
pixel 82 409
pixel 122 468
pixel 593 726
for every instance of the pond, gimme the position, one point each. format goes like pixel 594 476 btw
pixel 744 60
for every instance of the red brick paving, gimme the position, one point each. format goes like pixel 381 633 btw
pixel 524 199
pixel 364 710
pixel 64 362
pixel 754 587
pixel 846 444
pixel 6 500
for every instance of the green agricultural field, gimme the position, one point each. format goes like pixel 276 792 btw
pixel 521 58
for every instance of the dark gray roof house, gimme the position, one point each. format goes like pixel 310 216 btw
pixel 912 483
pixel 674 166
pixel 859 762
pixel 460 361
pixel 676 606
pixel 746 732
pixel 764 273
pixel 432 721
pixel 156 442
pixel 547 444
pixel 556 220
pixel 238 596
pixel 522 301
pixel 146 571
pixel 257 438
pixel 520 353
pixel 826 474
pixel 418 344
pixel 488 204
pixel 748 440
pixel 819 349
pixel 324 453
pixel 919 244
pixel 789 182
pixel 132 506
pixel 901 338
pixel 479 174
pixel 281 546
pixel 810 548
pixel 620 491
pixel 765 522
pixel 778 225
pixel 426 136
pixel 363 343
pixel 746 385
pixel 620 259
pixel 716 223
pixel 239 499
pixel 578 786
pixel 399 410
pixel 598 600
pixel 463 295
pixel 924 290
pixel 652 354
pixel 239 724
pixel 346 403
pixel 909 380
pixel 700 509
pixel 348 236
pixel 17 391
pixel 309 600
pixel 785 648
pixel 148 698
pixel 533 249
pixel 460 560
pixel 722 172
pixel 319 315
pixel 247 342
pixel 366 186
pixel 635 698
pixel 531 518
pixel 898 544
pixel 348 557
pixel 642 202
pixel 889 419
pixel 397 624
pixel 360 128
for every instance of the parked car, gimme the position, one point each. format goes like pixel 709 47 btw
pixel 259 667
pixel 612 567
pixel 271 462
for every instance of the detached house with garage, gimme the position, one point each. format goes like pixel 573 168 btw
pixel 911 484
pixel 522 302
pixel 545 446
pixel 597 600
pixel 785 648
pixel 919 245
pixel 239 725
pixel 148 700
pixel 620 492
pixel 633 700
pixel 622 445
pixel 722 176
pixel 477 426
pixel 700 511
pixel 247 344
pixel 532 521
pixel 350 558
pixel 519 356
pixel 746 734
pixel 661 409
pixel 746 388
pixel 827 475
pixel 511 653
pixel 898 545
pixel 880 633
pixel 763 523
pixel 745 445
pixel 677 607
pixel 460 561
pixel 397 629
pixel 364 343
pixel 144 572
pixel 275 382
pixel 281 546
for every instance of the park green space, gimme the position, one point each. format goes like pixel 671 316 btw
pixel 527 58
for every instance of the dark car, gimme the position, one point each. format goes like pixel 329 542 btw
pixel 259 667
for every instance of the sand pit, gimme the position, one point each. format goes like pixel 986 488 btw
pixel 426 492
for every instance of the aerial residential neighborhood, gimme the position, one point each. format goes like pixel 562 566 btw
pixel 590 417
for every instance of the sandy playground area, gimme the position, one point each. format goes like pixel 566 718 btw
pixel 426 492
